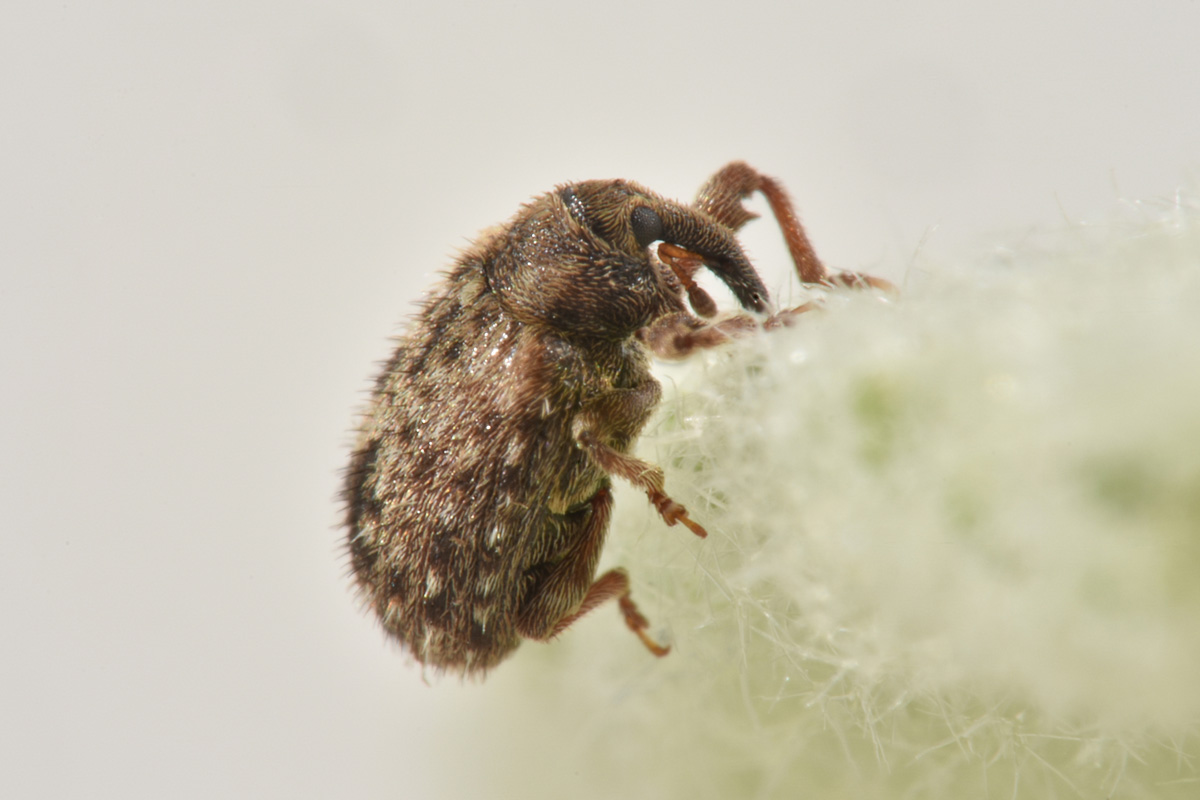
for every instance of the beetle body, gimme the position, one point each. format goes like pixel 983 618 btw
pixel 478 495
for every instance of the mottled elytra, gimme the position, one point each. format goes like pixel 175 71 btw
pixel 478 495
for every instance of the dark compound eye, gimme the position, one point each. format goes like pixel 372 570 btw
pixel 647 225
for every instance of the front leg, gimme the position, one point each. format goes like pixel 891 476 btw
pixel 677 335
pixel 721 198
pixel 615 416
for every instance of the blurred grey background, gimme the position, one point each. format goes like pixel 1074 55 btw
pixel 213 215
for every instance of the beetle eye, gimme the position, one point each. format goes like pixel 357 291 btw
pixel 647 225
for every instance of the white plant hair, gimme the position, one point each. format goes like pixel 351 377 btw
pixel 954 543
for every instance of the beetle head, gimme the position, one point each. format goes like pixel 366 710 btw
pixel 631 218
pixel 579 259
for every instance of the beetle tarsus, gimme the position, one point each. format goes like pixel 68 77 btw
pixel 638 624
pixel 673 512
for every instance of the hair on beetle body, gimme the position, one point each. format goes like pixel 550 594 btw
pixel 478 495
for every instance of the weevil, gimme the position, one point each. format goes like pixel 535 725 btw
pixel 478 496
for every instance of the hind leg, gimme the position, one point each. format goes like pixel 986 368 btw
pixel 615 583
pixel 567 591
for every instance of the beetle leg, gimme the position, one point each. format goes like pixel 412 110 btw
pixel 551 598
pixel 677 336
pixel 722 195
pixel 562 585
pixel 610 416
pixel 646 477
pixel 615 583
pixel 721 198
pixel 788 316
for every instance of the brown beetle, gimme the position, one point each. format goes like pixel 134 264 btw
pixel 478 496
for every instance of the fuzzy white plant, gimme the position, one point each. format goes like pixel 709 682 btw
pixel 954 541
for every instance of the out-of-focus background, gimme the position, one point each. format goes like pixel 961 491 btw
pixel 213 214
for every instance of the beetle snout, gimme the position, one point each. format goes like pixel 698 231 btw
pixel 693 238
